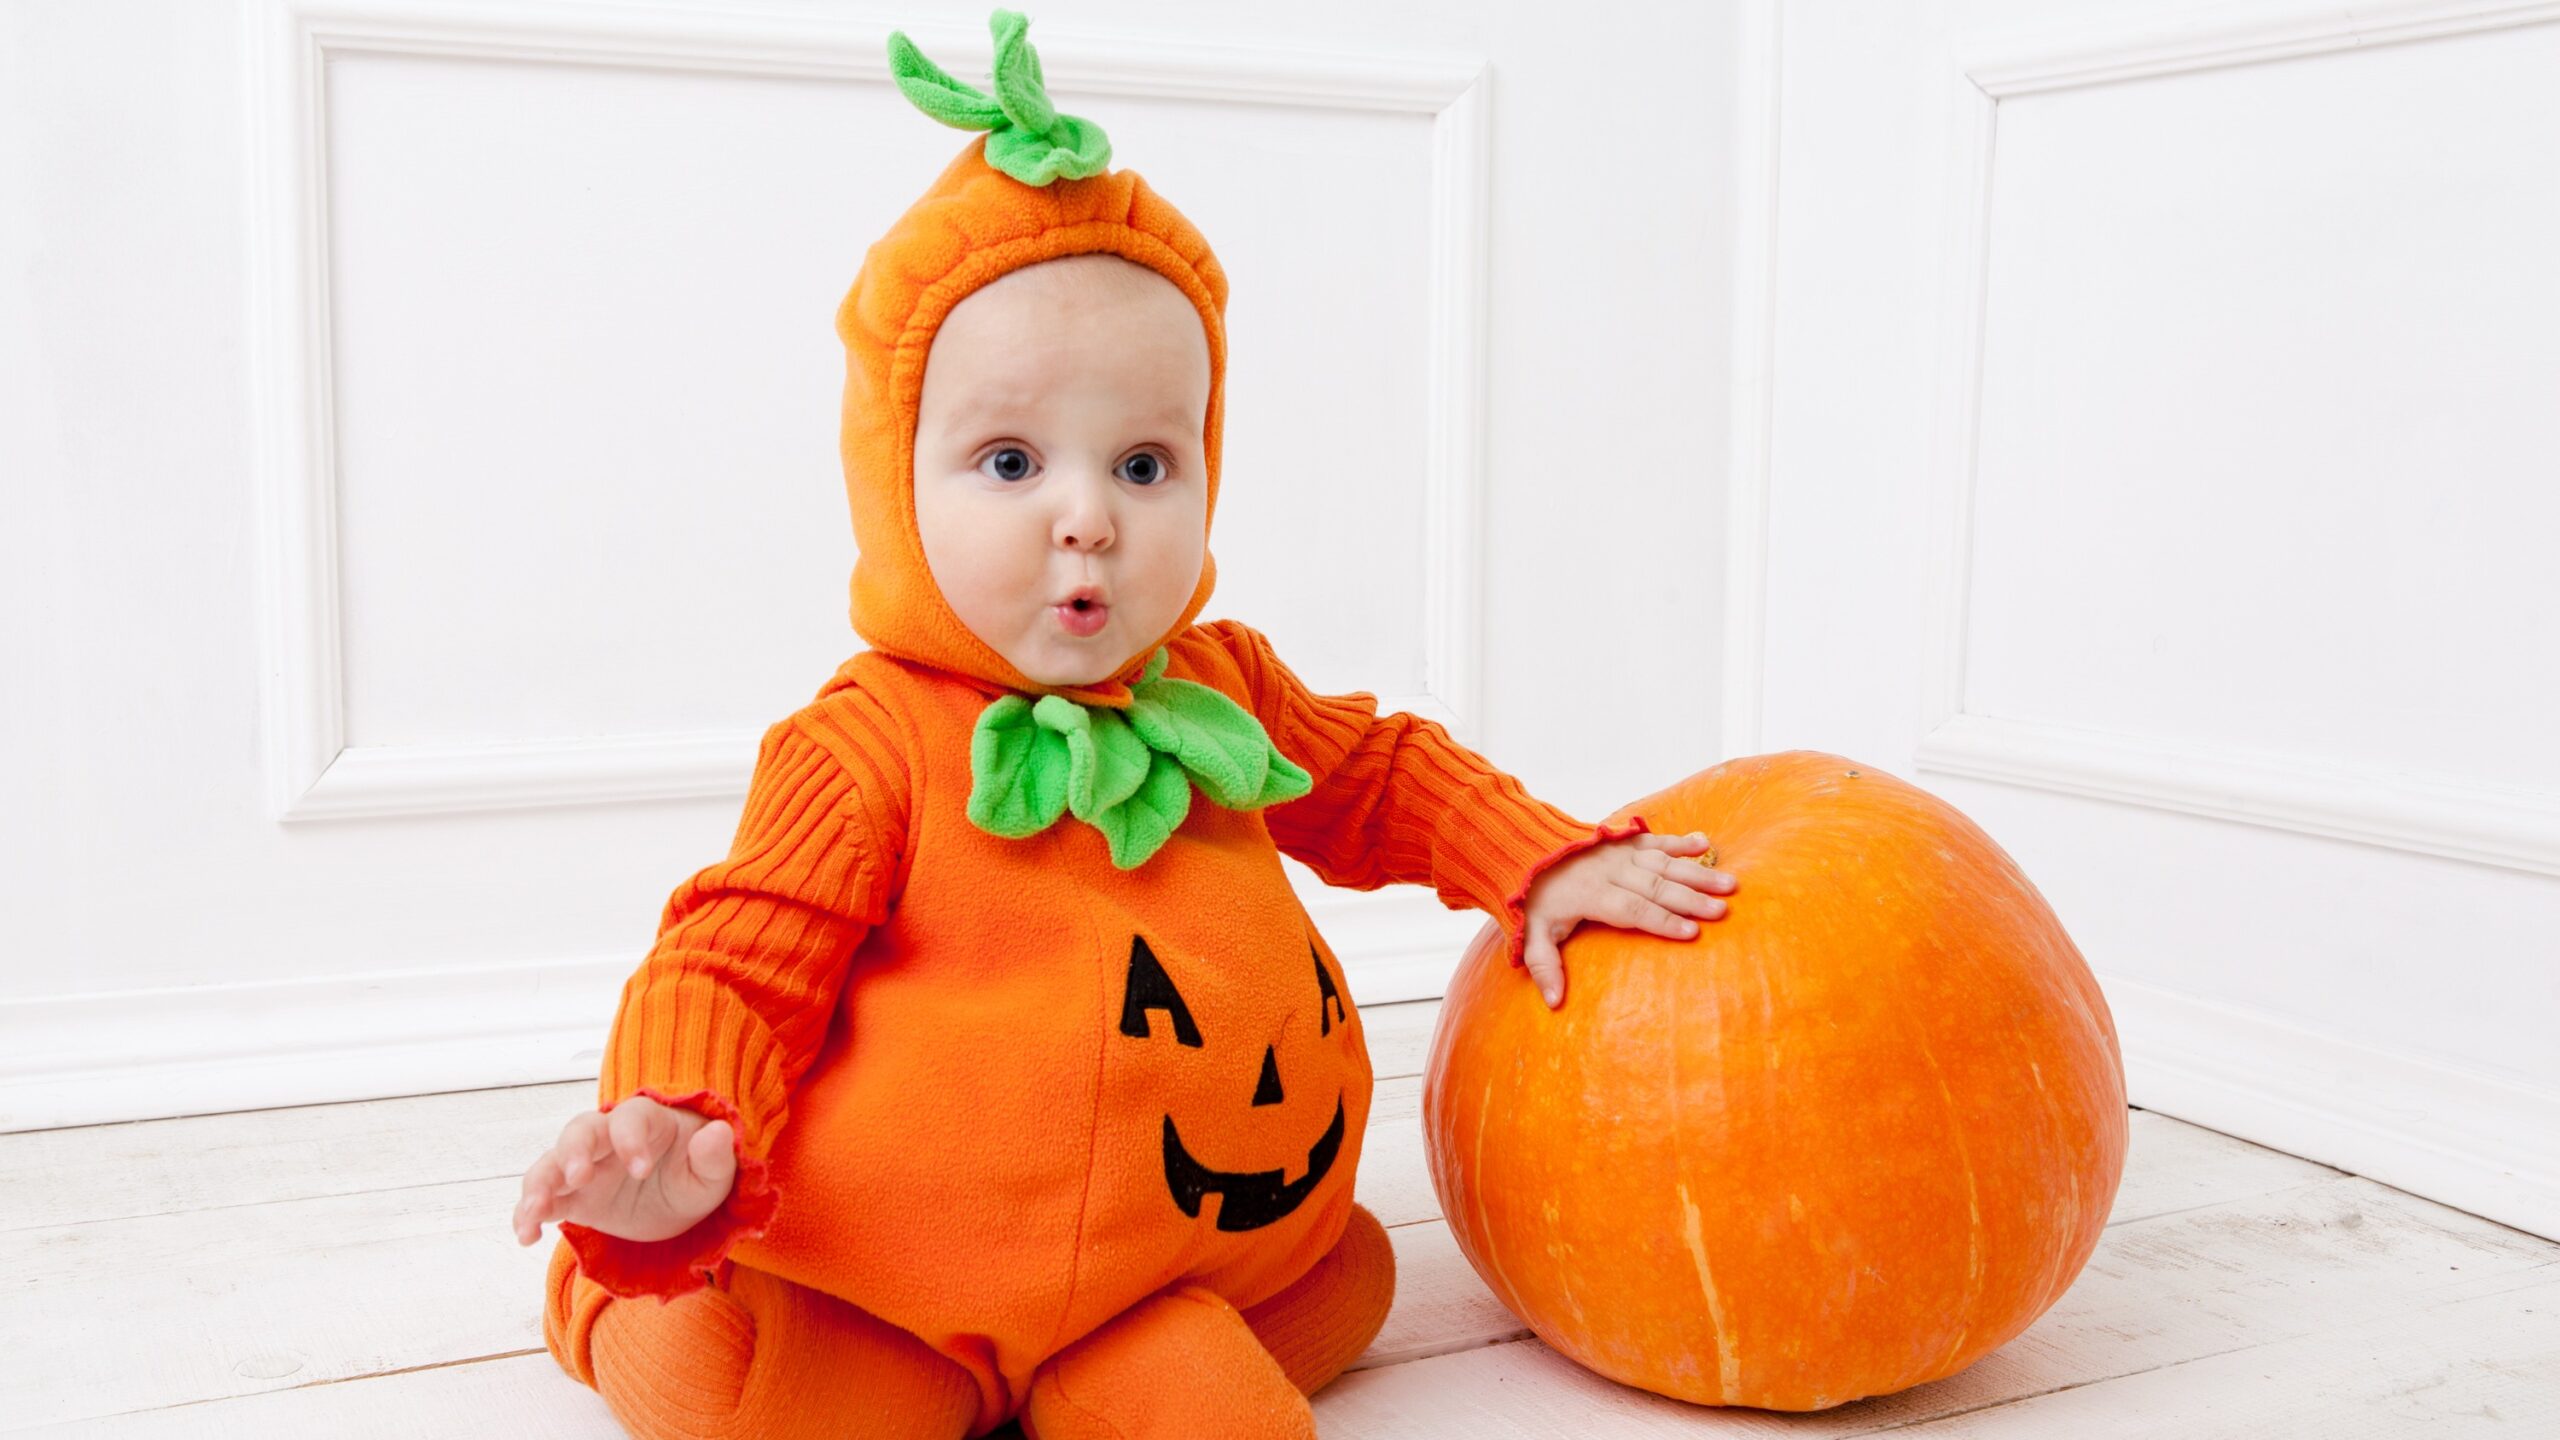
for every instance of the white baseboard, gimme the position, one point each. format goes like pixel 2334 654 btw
pixel 2482 1143
pixel 204 1050
pixel 208 1049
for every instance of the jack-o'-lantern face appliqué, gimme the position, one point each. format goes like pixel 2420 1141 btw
pixel 1248 1200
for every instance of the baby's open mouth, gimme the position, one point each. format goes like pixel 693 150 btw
pixel 1081 616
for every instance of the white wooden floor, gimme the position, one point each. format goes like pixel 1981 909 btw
pixel 345 1270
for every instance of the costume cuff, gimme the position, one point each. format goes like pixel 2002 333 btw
pixel 687 1041
pixel 686 1262
pixel 1514 913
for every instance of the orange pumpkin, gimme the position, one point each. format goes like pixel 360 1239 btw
pixel 1853 1136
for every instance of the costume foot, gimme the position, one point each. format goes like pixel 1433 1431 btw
pixel 752 1355
pixel 1328 1316
pixel 1178 1365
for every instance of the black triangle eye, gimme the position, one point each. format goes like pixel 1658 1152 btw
pixel 1328 999
pixel 1152 989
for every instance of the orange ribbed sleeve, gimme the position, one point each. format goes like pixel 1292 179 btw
pixel 732 1001
pixel 1398 801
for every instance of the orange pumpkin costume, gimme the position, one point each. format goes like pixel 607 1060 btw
pixel 1020 1133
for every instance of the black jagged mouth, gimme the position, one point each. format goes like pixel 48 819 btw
pixel 1251 1200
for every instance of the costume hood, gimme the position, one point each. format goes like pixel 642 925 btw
pixel 1035 188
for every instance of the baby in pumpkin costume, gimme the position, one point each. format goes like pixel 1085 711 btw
pixel 1002 1008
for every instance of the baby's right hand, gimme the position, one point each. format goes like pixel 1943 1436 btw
pixel 643 1171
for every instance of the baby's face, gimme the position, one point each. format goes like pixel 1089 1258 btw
pixel 1057 448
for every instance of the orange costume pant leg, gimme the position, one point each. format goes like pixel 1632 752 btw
pixel 753 1356
pixel 1184 1363
pixel 758 1356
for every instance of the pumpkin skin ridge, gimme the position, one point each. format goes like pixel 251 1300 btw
pixel 1995 869
pixel 1844 883
pixel 1961 1009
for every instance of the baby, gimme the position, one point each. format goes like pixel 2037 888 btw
pixel 998 1072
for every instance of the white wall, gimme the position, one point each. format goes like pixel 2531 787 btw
pixel 417 448
pixel 2161 466
pixel 2139 429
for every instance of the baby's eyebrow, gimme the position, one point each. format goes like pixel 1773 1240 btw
pixel 986 411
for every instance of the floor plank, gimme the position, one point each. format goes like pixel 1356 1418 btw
pixel 162 1310
pixel 292 1292
pixel 1399 1036
pixel 1395 1176
pixel 2195 1283
pixel 346 1269
pixel 521 1397
pixel 206 1162
pixel 1441 1305
pixel 2172 1166
pixel 2487 1364
pixel 2480 1365
pixel 2294 1267
pixel 264 1272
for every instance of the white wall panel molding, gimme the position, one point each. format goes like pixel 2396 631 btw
pixel 2517 829
pixel 2476 1141
pixel 2388 807
pixel 312 771
pixel 2008 63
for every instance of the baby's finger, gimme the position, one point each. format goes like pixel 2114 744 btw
pixel 1546 967
pixel 1699 877
pixel 639 1131
pixel 541 1182
pixel 1635 912
pixel 542 1177
pixel 1665 888
pixel 1685 901
pixel 712 1155
pixel 583 1146
pixel 531 1211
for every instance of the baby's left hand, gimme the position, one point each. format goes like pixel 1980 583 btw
pixel 1635 882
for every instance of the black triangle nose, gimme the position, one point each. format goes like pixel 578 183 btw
pixel 1268 1092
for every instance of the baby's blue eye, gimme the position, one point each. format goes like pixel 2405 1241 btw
pixel 1010 462
pixel 1145 469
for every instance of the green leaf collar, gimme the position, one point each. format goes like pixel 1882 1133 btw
pixel 1029 140
pixel 1128 775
